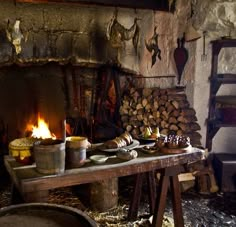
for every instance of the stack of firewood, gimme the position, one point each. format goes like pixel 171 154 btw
pixel 167 109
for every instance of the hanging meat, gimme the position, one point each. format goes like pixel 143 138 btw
pixel 117 33
pixel 152 47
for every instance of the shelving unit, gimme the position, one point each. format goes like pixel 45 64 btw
pixel 219 116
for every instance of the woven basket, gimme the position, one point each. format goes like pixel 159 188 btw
pixel 22 149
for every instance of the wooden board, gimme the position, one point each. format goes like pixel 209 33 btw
pixel 167 150
pixel 161 5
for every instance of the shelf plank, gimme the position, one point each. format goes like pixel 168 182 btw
pixel 219 124
pixel 226 100
pixel 224 78
pixel 225 42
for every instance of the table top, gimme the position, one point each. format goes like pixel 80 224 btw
pixel 27 179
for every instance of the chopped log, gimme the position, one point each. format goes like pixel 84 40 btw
pixel 123 111
pixel 162 102
pixel 183 104
pixel 196 135
pixel 146 92
pixel 172 120
pixel 155 105
pixel 153 122
pixel 188 112
pixel 175 90
pixel 144 102
pixel 161 109
pixel 139 106
pixel 140 112
pixel 187 119
pixel 191 118
pixel 164 131
pixel 131 112
pixel 177 97
pixel 133 118
pixel 129 128
pixel 163 91
pixel 195 126
pixel 124 118
pixel 156 93
pixel 164 97
pixel 175 113
pixel 165 115
pixel 140 117
pixel 164 124
pixel 173 127
pixel 135 132
pixel 150 99
pixel 169 107
pixel 175 104
pixel 184 127
pixel 148 107
pixel 179 132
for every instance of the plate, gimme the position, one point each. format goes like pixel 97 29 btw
pixel 149 149
pixel 133 145
pixel 148 140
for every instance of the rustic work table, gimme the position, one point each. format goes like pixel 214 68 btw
pixel 34 187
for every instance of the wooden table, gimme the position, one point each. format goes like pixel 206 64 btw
pixel 34 186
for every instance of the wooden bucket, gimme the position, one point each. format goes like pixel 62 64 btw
pixel 44 215
pixel 49 156
pixel 76 151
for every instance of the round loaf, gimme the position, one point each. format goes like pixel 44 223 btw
pixel 127 154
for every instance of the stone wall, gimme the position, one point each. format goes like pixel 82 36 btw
pixel 218 18
pixel 77 33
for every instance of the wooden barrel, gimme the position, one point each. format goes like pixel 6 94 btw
pixel 49 156
pixel 76 151
pixel 44 215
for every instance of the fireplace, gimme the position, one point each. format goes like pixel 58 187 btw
pixel 60 63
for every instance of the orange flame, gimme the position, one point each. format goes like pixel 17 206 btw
pixel 41 130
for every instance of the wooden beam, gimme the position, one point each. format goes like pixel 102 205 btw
pixel 162 5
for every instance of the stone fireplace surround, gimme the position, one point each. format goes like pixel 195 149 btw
pixel 54 39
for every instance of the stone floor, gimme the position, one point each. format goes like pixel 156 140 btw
pixel 215 210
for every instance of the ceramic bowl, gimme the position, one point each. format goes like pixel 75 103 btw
pixel 98 159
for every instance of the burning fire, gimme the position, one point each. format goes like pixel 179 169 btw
pixel 41 130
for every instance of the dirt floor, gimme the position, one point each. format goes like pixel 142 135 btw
pixel 212 210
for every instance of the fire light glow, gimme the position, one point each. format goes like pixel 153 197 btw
pixel 42 130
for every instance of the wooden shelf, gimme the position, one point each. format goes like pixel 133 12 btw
pixel 219 79
pixel 222 109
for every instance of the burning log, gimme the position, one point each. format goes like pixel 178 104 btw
pixel 166 108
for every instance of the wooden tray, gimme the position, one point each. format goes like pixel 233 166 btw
pixel 167 150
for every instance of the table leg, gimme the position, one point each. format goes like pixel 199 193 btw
pixel 160 201
pixel 176 201
pixel 15 195
pixel 169 174
pixel 134 204
pixel 151 182
pixel 37 196
pixel 18 197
